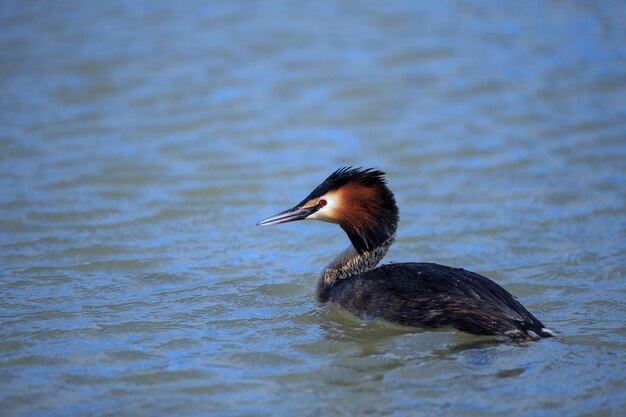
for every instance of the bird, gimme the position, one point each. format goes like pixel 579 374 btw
pixel 416 294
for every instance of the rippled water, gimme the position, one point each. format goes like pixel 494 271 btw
pixel 141 141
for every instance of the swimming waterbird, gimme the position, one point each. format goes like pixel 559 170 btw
pixel 416 294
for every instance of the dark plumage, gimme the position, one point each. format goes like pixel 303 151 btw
pixel 411 294
pixel 431 296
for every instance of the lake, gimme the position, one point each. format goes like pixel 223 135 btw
pixel 140 142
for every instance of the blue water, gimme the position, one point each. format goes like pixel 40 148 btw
pixel 141 141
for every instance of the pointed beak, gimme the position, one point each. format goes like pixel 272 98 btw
pixel 290 215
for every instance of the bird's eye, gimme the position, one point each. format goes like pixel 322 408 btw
pixel 322 203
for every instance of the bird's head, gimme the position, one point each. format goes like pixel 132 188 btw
pixel 356 199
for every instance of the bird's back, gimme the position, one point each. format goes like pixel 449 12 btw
pixel 431 295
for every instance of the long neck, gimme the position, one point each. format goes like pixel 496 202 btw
pixel 350 262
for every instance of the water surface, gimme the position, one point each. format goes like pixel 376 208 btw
pixel 140 142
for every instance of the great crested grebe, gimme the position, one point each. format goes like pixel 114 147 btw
pixel 411 294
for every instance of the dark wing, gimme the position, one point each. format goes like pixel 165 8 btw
pixel 431 295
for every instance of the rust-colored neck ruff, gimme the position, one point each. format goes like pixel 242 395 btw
pixel 368 215
pixel 360 202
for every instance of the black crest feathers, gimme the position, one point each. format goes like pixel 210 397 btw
pixel 342 176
